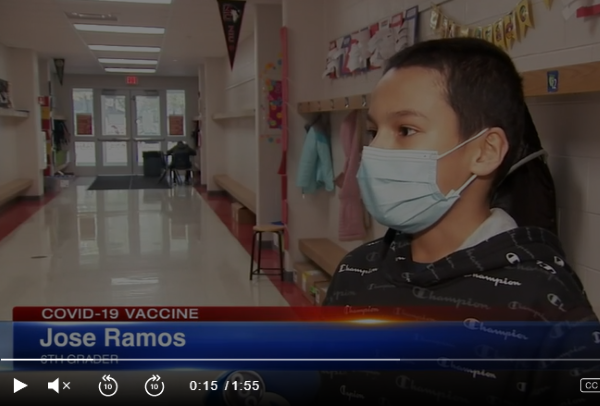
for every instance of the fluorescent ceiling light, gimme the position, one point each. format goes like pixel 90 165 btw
pixel 123 48
pixel 120 29
pixel 130 70
pixel 141 1
pixel 92 17
pixel 128 61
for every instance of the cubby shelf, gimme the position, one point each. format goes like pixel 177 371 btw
pixel 13 113
pixel 234 114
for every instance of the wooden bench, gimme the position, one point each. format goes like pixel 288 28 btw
pixel 13 189
pixel 236 190
pixel 323 252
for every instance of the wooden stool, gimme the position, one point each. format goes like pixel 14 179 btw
pixel 258 232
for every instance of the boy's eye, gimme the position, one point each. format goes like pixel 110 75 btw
pixel 372 133
pixel 406 131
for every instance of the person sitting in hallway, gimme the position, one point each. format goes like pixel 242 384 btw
pixel 449 124
pixel 181 155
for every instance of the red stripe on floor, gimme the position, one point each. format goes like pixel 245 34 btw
pixel 221 205
pixel 16 213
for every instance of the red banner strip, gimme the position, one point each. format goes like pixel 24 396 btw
pixel 588 11
pixel 261 314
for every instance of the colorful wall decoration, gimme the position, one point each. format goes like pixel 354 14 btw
pixel 272 105
pixel 274 88
pixel 503 33
pixel 271 138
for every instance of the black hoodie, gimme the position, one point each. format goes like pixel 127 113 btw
pixel 519 275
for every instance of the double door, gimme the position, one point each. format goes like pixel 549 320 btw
pixel 131 123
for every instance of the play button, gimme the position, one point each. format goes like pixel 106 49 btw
pixel 18 385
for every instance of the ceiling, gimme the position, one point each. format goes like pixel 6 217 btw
pixel 193 32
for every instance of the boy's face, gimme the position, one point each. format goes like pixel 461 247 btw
pixel 409 111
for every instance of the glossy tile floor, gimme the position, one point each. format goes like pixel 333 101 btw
pixel 129 248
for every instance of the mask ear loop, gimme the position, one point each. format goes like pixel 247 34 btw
pixel 524 161
pixel 462 144
pixel 466 185
pixel 473 177
pixel 527 159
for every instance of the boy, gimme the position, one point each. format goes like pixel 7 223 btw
pixel 448 121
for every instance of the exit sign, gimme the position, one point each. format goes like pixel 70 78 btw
pixel 132 80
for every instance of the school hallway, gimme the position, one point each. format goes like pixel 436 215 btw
pixel 156 247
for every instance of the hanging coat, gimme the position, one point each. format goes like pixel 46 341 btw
pixel 351 220
pixel 315 170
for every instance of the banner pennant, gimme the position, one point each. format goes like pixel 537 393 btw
pixel 232 14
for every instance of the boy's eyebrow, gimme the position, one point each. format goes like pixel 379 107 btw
pixel 399 114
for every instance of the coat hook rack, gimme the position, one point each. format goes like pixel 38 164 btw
pixel 574 79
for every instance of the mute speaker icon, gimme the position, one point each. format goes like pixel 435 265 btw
pixel 53 385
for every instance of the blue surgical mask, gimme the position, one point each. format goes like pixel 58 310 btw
pixel 399 187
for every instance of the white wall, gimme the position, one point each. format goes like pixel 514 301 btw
pixel 202 114
pixel 240 133
pixel 566 125
pixel 214 133
pixel 8 131
pixel 268 21
pixel 553 42
pixel 20 139
pixel 236 146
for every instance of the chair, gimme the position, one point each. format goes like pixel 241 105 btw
pixel 180 162
pixel 165 167
pixel 258 232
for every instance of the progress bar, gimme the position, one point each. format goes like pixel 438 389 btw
pixel 51 360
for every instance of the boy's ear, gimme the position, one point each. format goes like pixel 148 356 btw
pixel 491 150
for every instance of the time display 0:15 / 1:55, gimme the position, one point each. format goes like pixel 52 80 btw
pixel 234 385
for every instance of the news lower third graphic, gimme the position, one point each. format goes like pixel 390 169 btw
pixel 289 339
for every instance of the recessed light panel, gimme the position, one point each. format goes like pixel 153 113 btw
pixel 91 17
pixel 130 70
pixel 116 61
pixel 123 48
pixel 119 29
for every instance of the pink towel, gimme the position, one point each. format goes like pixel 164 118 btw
pixel 352 225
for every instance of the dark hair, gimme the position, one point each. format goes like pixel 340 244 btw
pixel 482 86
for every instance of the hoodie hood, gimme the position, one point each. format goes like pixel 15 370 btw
pixel 520 248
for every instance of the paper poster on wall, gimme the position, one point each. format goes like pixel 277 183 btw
pixel 275 103
pixel 358 57
pixel 373 33
pixel 399 32
pixel 346 45
pixel 381 44
pixel 411 22
pixel 332 64
pixel 83 123
pixel 176 125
